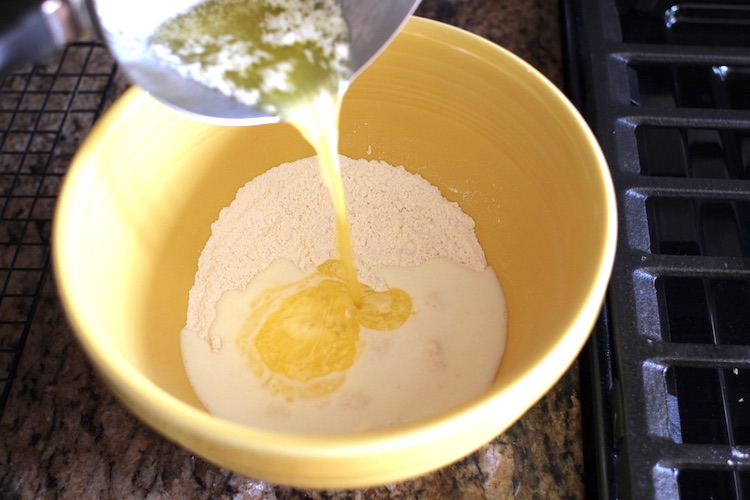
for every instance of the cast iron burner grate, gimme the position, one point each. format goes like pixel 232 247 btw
pixel 44 112
pixel 666 88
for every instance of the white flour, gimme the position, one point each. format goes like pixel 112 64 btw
pixel 397 219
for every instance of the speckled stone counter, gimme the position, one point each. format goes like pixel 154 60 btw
pixel 63 435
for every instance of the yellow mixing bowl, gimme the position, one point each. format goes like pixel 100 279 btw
pixel 491 132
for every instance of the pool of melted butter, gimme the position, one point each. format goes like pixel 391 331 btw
pixel 298 334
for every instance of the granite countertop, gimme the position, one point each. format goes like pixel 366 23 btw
pixel 63 434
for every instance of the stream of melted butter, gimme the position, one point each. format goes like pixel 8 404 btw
pixel 291 59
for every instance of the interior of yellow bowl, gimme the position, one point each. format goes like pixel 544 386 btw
pixel 490 132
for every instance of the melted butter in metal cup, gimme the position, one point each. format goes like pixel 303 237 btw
pixel 128 27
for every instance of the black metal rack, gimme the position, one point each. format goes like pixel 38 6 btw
pixel 666 89
pixel 44 112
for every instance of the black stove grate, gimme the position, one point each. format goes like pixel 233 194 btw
pixel 44 112
pixel 666 88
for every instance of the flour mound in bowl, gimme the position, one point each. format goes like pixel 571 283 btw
pixel 397 219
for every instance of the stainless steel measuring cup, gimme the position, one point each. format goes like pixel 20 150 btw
pixel 32 30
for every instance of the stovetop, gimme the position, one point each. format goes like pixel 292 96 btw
pixel 666 89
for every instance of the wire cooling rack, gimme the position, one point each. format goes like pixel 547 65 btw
pixel 45 111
